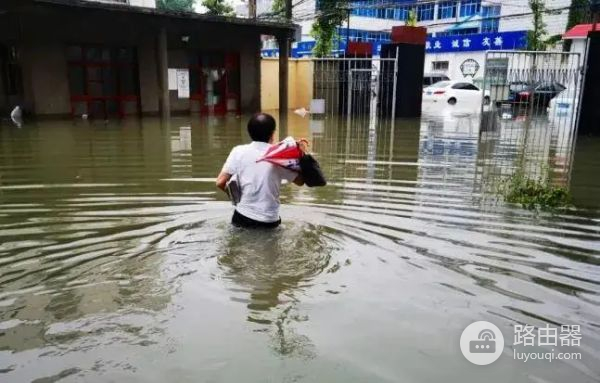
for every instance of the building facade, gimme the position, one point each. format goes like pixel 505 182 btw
pixel 459 31
pixel 58 58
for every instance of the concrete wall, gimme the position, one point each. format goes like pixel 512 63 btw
pixel 555 23
pixel 300 80
pixel 49 81
pixel 44 37
pixel 579 46
pixel 250 77
pixel 454 61
pixel 148 74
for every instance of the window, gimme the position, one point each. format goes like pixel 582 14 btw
pixel 401 13
pixel 447 10
pixel 440 66
pixel 458 32
pixel 470 8
pixel 464 86
pixel 425 12
pixel 375 9
pixel 441 84
pixel 470 87
pixel 103 81
pixel 362 35
pixel 490 23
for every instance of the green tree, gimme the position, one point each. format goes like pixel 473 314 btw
pixel 176 5
pixel 218 8
pixel 537 38
pixel 411 20
pixel 278 8
pixel 330 16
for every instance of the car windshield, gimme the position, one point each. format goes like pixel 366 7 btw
pixel 441 84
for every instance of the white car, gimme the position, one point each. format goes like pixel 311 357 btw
pixel 455 93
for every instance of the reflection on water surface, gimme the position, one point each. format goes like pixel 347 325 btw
pixel 118 262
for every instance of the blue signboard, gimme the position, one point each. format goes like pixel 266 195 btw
pixel 303 49
pixel 467 43
pixel 478 42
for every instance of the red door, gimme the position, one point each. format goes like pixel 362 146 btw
pixel 103 81
pixel 215 83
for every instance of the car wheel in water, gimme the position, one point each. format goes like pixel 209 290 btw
pixel 452 101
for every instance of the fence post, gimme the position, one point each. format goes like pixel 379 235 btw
pixel 284 46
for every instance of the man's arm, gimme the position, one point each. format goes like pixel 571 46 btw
pixel 222 180
pixel 229 169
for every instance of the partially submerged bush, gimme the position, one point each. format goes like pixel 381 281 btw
pixel 534 194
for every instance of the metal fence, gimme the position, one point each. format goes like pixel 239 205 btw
pixel 358 95
pixel 530 124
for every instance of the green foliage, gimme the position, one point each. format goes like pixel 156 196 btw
pixel 534 193
pixel 411 21
pixel 176 5
pixel 218 8
pixel 331 15
pixel 553 40
pixel 536 38
pixel 577 15
pixel 278 7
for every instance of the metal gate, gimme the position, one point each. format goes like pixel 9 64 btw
pixel 359 99
pixel 355 87
pixel 530 123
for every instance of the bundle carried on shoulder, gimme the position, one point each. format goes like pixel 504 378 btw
pixel 288 154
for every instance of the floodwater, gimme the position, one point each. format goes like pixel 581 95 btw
pixel 118 264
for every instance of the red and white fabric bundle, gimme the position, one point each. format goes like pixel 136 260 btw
pixel 286 154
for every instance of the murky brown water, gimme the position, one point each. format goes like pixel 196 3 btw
pixel 117 262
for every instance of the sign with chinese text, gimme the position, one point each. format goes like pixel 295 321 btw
pixel 467 43
pixel 478 42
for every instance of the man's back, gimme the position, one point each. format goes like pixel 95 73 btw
pixel 259 181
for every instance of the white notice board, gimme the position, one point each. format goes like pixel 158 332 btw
pixel 183 83
pixel 172 79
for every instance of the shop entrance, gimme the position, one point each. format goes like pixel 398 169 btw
pixel 103 81
pixel 215 83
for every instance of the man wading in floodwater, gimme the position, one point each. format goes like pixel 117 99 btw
pixel 259 181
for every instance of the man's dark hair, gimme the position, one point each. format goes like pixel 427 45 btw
pixel 261 127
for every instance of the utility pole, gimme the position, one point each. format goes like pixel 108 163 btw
pixel 285 52
pixel 348 28
pixel 288 11
pixel 252 9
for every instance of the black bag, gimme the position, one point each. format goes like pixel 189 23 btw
pixel 311 171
